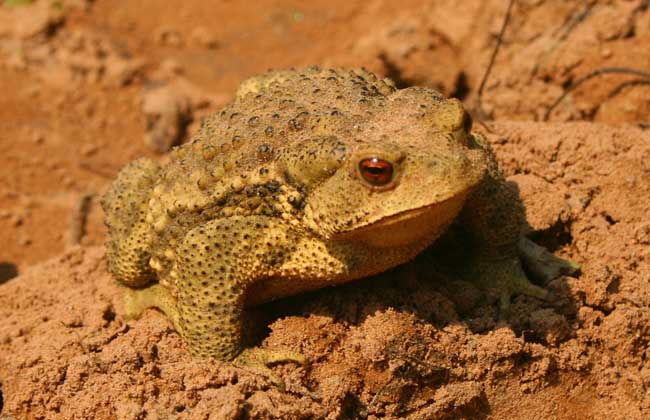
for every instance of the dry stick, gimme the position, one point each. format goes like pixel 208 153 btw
pixel 79 218
pixel 488 70
pixel 568 26
pixel 595 73
pixel 377 396
pixel 629 83
pixel 108 172
pixel 618 89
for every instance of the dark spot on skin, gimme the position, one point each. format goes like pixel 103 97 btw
pixel 273 186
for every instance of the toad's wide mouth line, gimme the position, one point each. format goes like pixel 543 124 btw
pixel 405 215
pixel 431 216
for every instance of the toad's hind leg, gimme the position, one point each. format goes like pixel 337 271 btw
pixel 494 215
pixel 129 236
pixel 220 261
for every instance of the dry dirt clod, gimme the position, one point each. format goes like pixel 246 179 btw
pixel 30 20
pixel 167 112
pixel 122 71
pixel 24 241
pixel 551 206
pixel 202 37
pixel 89 149
pixel 16 219
pixel 169 69
pixel 550 326
pixel 38 137
pixel 168 36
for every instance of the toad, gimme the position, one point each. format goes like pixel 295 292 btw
pixel 308 179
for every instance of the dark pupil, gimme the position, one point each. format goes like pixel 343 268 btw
pixel 376 171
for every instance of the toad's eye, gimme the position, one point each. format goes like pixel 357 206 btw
pixel 376 171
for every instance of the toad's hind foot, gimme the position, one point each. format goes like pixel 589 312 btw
pixel 260 360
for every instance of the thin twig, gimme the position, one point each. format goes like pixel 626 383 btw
pixel 486 126
pixel 379 393
pixel 488 70
pixel 595 73
pixel 79 218
pixel 108 172
pixel 567 27
pixel 618 89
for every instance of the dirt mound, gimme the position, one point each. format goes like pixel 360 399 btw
pixel 410 343
pixel 547 47
pixel 89 85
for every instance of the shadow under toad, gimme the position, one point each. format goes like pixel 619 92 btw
pixel 435 289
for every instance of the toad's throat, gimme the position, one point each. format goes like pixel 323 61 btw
pixel 409 227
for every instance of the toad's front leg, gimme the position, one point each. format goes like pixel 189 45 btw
pixel 218 262
pixel 493 215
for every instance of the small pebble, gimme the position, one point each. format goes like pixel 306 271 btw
pixel 89 149
pixel 16 220
pixel 24 241
pixel 168 36
pixel 202 37
pixel 38 137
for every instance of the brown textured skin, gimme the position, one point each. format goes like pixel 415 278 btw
pixel 268 201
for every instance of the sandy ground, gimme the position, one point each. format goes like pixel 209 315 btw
pixel 89 85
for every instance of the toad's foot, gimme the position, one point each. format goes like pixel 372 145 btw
pixel 260 360
pixel 515 281
pixel 506 273
pixel 541 264
pixel 508 277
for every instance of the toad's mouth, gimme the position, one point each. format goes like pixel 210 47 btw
pixel 408 227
